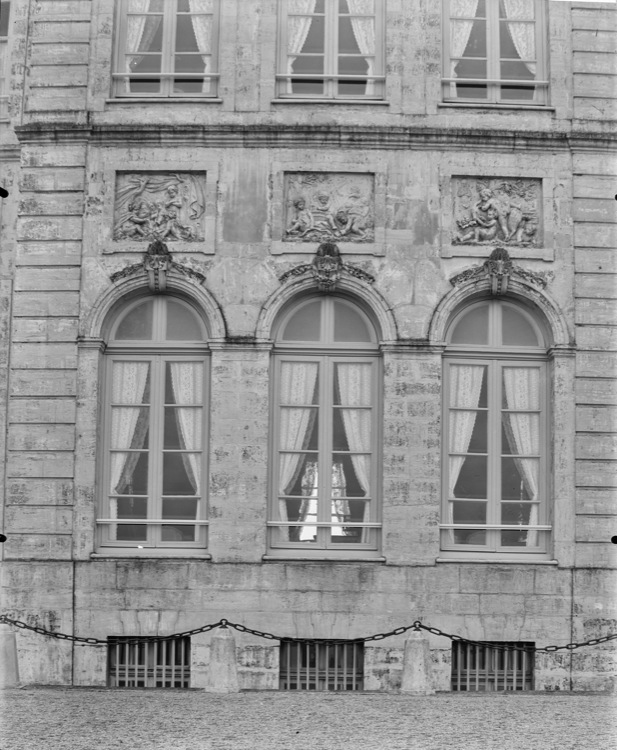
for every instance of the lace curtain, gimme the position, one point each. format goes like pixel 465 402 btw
pixel 364 33
pixel 298 27
pixel 129 426
pixel 522 391
pixel 298 380
pixel 202 28
pixel 140 31
pixel 523 34
pixel 460 31
pixel 187 384
pixel 465 388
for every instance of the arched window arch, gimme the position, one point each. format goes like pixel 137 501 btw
pixel 495 474
pixel 154 425
pixel 326 384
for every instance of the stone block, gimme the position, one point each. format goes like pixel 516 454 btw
pixel 38 547
pixel 596 446
pixel 43 304
pixel 43 383
pixel 60 53
pixel 152 574
pixel 594 285
pixel 71 179
pixel 591 63
pixel 596 501
pixel 56 253
pixel 495 580
pixel 61 155
pixel 40 464
pixel 595 528
pixel 596 554
pixel 596 364
pixel 55 75
pixel 28 330
pixel 502 604
pixel 33 437
pixel 39 492
pixel 596 473
pixel 50 228
pixel 61 31
pixel 596 390
pixel 598 40
pixel 603 338
pixel 56 356
pixel 593 19
pixel 596 418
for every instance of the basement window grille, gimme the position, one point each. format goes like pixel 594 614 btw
pixel 154 664
pixel 485 669
pixel 321 666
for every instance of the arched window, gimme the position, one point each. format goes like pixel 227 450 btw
pixel 154 427
pixel 495 432
pixel 325 427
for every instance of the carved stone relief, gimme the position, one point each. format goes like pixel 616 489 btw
pixel 497 211
pixel 159 206
pixel 329 207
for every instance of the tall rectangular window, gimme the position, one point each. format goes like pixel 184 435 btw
pixel 331 49
pixel 166 48
pixel 5 10
pixel 494 52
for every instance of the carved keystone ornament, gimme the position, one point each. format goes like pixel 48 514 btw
pixel 327 268
pixel 157 263
pixel 500 269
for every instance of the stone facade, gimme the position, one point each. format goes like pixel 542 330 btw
pixel 406 177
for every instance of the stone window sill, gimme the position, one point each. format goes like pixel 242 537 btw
pixel 163 100
pixel 522 560
pixel 133 554
pixel 340 102
pixel 487 106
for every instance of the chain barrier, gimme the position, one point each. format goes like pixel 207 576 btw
pixel 417 625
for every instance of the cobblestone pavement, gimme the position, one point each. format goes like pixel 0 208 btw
pixel 45 718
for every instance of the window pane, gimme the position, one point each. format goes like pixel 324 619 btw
pixel 468 386
pixel 138 6
pixel 128 532
pixel 184 383
pixel 304 324
pixel 144 34
pixel 4 18
pixel 182 429
pixel 520 10
pixel 298 474
pixel 347 35
pixel 180 508
pixel 353 66
pixel 471 426
pixel 177 533
pixel 520 434
pixel 519 513
pixel 185 32
pixel 468 512
pixel 181 473
pixel 129 428
pixel 516 329
pixel 464 9
pixel 353 384
pixel 472 328
pixel 521 388
pixel 468 38
pixel 190 64
pixel 137 323
pixel 197 6
pixel 520 478
pixel 468 475
pixel 476 537
pixel 182 323
pixel 349 325
pixel 129 507
pixel 129 473
pixel 299 429
pixel 351 475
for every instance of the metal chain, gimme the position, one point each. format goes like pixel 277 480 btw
pixel 223 623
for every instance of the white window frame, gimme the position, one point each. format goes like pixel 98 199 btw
pixel 157 353
pixel 167 75
pixel 330 75
pixel 493 80
pixel 326 355
pixel 495 358
pixel 5 68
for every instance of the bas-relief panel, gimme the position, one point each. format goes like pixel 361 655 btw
pixel 329 207
pixel 159 206
pixel 497 211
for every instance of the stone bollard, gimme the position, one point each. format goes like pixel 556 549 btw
pixel 222 674
pixel 417 666
pixel 9 669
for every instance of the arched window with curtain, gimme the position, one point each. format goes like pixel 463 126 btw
pixel 495 432
pixel 325 430
pixel 166 48
pixel 154 426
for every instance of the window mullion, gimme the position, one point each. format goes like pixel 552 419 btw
pixel 493 49
pixel 155 447
pixel 494 451
pixel 325 460
pixel 170 17
pixel 331 47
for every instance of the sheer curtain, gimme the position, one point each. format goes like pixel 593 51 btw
pixel 202 28
pixel 140 31
pixel 129 424
pixel 523 34
pixel 364 32
pixel 460 31
pixel 298 380
pixel 354 380
pixel 522 390
pixel 298 28
pixel 187 384
pixel 465 388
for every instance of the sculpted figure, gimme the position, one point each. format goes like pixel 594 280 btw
pixel 349 223
pixel 302 222
pixel 137 223
pixel 322 214
pixel 482 230
pixel 487 202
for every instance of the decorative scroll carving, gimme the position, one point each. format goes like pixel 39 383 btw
pixel 166 207
pixel 327 267
pixel 156 264
pixel 499 210
pixel 500 268
pixel 329 207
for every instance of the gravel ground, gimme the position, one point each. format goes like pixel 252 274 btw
pixel 46 718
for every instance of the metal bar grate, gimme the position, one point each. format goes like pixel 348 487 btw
pixel 478 668
pixel 155 664
pixel 321 666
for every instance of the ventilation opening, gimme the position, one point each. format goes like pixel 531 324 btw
pixel 156 664
pixel 485 668
pixel 321 666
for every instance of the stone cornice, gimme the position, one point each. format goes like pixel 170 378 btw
pixel 325 136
